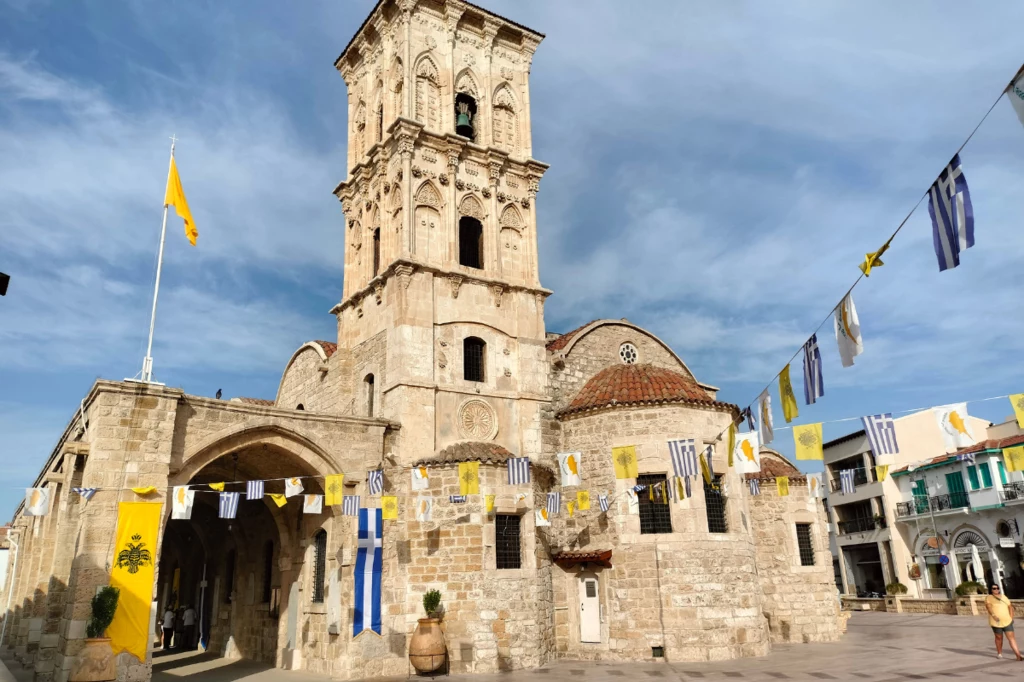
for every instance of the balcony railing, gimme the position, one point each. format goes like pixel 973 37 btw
pixel 861 525
pixel 860 477
pixel 936 503
pixel 1012 492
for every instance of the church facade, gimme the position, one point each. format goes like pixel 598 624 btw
pixel 441 358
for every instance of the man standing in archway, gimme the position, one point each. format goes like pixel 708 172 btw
pixel 168 625
pixel 189 618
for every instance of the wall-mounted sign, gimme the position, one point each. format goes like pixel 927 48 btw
pixel 1007 542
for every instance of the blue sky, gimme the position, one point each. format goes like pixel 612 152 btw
pixel 717 172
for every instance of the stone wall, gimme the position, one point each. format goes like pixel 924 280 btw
pixel 303 382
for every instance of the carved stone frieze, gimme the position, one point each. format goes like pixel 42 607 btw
pixel 498 292
pixel 455 281
pixel 378 291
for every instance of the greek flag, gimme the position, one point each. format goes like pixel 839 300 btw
pixel 518 470
pixel 881 432
pixel 229 505
pixel 846 481
pixel 638 488
pixel 375 480
pixel 814 386
pixel 968 457
pixel 554 502
pixel 457 499
pixel 86 493
pixel 689 493
pixel 755 486
pixel 949 205
pixel 602 500
pixel 684 457
pixel 369 559
pixel 254 490
pixel 350 505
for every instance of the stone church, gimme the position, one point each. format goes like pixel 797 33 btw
pixel 441 357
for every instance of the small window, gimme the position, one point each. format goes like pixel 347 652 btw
pixel 506 530
pixel 473 359
pixel 591 586
pixel 376 251
pixel 628 354
pixel 319 565
pixel 986 474
pixel 300 407
pixel 471 243
pixel 1002 473
pixel 268 570
pixel 465 115
pixel 714 505
pixel 369 394
pixel 229 578
pixel 803 541
pixel 656 514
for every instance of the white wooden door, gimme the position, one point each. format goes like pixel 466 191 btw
pixel 590 608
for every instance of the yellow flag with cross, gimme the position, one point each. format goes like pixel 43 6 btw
pixel 389 508
pixel 1017 401
pixel 1014 458
pixel 807 438
pixel 789 406
pixel 782 482
pixel 583 500
pixel 469 478
pixel 334 489
pixel 624 460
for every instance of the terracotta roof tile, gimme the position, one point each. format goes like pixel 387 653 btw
pixel 990 444
pixel 328 347
pixel 563 340
pixel 772 467
pixel 567 559
pixel 471 451
pixel 621 385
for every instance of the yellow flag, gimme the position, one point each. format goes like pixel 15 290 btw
pixel 705 470
pixel 583 500
pixel 279 499
pixel 789 408
pixel 219 487
pixel 873 259
pixel 680 488
pixel 807 438
pixel 732 441
pixel 783 485
pixel 1014 458
pixel 389 508
pixel 1018 408
pixel 145 490
pixel 333 490
pixel 571 506
pixel 881 471
pixel 489 503
pixel 624 460
pixel 469 478
pixel 175 196
pixel 132 570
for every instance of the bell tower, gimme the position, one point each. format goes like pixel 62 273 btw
pixel 441 291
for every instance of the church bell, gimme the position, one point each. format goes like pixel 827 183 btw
pixel 464 121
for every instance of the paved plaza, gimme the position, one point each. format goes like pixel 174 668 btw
pixel 879 647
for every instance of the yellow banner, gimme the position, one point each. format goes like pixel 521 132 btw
pixel 389 508
pixel 624 459
pixel 881 471
pixel 333 489
pixel 705 470
pixel 808 441
pixel 469 478
pixel 783 484
pixel 1017 401
pixel 583 500
pixel 789 407
pixel 571 506
pixel 488 503
pixel 732 442
pixel 132 572
pixel 174 196
pixel 144 490
pixel 279 499
pixel 1014 458
pixel 219 487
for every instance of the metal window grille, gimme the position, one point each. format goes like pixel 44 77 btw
pixel 473 359
pixel 714 504
pixel 655 515
pixel 471 243
pixel 506 530
pixel 319 565
pixel 803 541
pixel 268 569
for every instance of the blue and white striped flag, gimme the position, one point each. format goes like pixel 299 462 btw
pixel 229 505
pixel 881 432
pixel 254 490
pixel 846 481
pixel 968 457
pixel 686 482
pixel 350 505
pixel 518 470
pixel 755 486
pixel 375 481
pixel 369 561
pixel 457 499
pixel 554 503
pixel 748 413
pixel 86 493
pixel 639 488
pixel 684 457
pixel 949 205
pixel 814 385
pixel 602 501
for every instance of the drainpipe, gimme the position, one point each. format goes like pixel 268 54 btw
pixel 10 588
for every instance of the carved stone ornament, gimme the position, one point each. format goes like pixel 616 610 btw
pixel 417 172
pixel 472 208
pixel 404 274
pixel 427 196
pixel 443 179
pixel 506 73
pixel 498 291
pixel 506 352
pixel 477 420
pixel 456 283
pixel 378 291
pixel 442 360
pixel 508 372
pixel 460 184
pixel 431 43
pixel 486 192
pixel 525 202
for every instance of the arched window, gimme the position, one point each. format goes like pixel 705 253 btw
pixel 505 128
pixel 465 115
pixel 300 407
pixel 471 242
pixel 268 569
pixel 473 359
pixel 369 394
pixel 319 565
pixel 376 251
pixel 380 121
pixel 428 95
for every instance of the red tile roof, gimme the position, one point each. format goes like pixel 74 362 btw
pixel 990 444
pixel 621 385
pixel 772 466
pixel 563 340
pixel 568 559
pixel 328 347
pixel 472 451
pixel 256 401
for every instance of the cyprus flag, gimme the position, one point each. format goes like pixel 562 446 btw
pixel 954 425
pixel 747 458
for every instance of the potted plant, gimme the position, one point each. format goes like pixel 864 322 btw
pixel 427 651
pixel 96 661
pixel 969 587
pixel 896 588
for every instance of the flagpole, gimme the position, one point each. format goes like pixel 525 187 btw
pixel 147 362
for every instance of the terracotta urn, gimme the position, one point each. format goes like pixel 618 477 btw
pixel 94 663
pixel 427 650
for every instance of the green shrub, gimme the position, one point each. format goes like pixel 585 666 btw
pixel 104 604
pixel 896 588
pixel 431 602
pixel 969 587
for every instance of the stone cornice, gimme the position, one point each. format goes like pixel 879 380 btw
pixel 469 392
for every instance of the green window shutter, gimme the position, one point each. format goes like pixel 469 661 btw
pixel 986 475
pixel 1002 473
pixel 919 489
pixel 972 474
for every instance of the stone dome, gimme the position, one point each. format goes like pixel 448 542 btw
pixel 640 384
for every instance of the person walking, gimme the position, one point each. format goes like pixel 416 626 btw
pixel 1000 618
pixel 190 626
pixel 168 627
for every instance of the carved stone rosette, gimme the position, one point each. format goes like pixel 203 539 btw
pixel 477 420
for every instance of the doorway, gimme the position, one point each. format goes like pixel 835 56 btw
pixel 590 608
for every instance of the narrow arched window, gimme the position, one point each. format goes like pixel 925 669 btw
pixel 369 394
pixel 319 565
pixel 268 570
pixel 465 115
pixel 473 359
pixel 380 122
pixel 471 242
pixel 300 406
pixel 376 251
